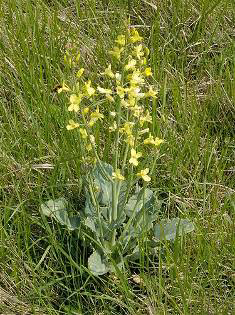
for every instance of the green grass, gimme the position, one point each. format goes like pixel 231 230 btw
pixel 193 57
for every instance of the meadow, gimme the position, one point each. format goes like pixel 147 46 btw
pixel 43 267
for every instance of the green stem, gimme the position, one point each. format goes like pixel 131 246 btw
pixel 131 218
pixel 117 135
pixel 125 157
pixel 96 204
pixel 104 173
pixel 153 165
pixel 114 210
pixel 134 210
pixel 115 191
pixel 123 167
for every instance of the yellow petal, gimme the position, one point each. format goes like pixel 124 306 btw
pixel 146 178
pixel 121 40
pixel 80 73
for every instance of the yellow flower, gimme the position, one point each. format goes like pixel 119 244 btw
pixel 138 51
pixel 75 102
pixel 134 157
pixel 72 125
pixel 146 51
pixel 121 40
pixel 136 78
pixel 118 77
pixel 150 140
pixel 85 110
pixel 109 97
pixel 78 57
pixel 63 88
pixel 117 175
pixel 158 141
pixel 143 131
pixel 130 102
pixel 80 73
pixel 88 89
pixel 130 140
pixel 121 91
pixel 134 92
pixel 143 61
pixel 116 52
pixel 125 103
pixel 95 116
pixel 83 133
pixel 135 37
pixel 151 92
pixel 137 110
pixel 89 147
pixel 67 59
pixel 143 174
pixel 146 118
pixel 127 128
pixel 104 91
pixel 148 72
pixel 131 65
pixel 109 72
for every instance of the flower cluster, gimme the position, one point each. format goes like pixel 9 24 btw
pixel 126 88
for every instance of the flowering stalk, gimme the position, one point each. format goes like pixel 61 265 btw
pixel 95 202
pixel 130 121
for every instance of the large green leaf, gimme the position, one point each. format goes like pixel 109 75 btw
pixel 104 185
pixel 168 229
pixel 51 206
pixel 90 224
pixel 57 209
pixel 96 265
pixel 136 202
pixel 89 207
pixel 122 197
pixel 134 254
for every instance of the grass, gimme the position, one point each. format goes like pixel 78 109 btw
pixel 192 55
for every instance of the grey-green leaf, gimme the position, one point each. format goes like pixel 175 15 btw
pixel 50 207
pixel 74 222
pixel 104 185
pixel 168 229
pixel 57 209
pixel 96 264
pixel 138 200
pixel 90 224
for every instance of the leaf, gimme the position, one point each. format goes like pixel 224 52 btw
pixel 104 185
pixel 90 224
pixel 113 268
pixel 138 200
pixel 74 222
pixel 168 229
pixel 135 254
pixel 52 206
pixel 122 195
pixel 89 208
pixel 57 209
pixel 131 233
pixel 96 265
